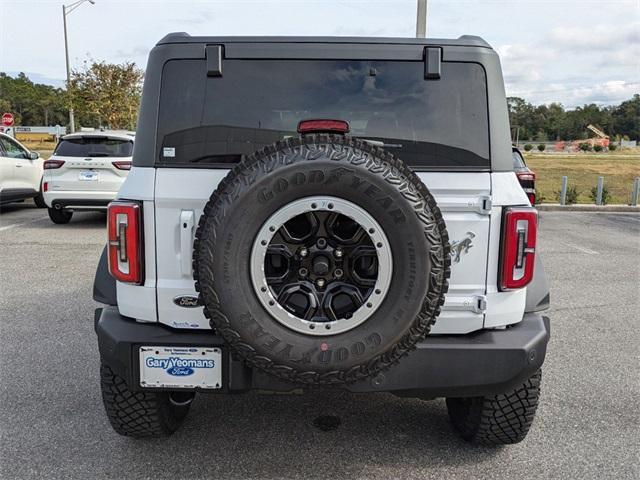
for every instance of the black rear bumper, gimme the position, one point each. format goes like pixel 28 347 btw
pixel 481 363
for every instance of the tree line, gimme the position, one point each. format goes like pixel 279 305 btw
pixel 108 95
pixel 540 123
pixel 102 95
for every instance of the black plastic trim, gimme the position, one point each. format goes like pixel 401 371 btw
pixel 432 63
pixel 104 285
pixel 464 40
pixel 481 363
pixel 16 194
pixel 119 339
pixel 538 295
pixel 214 54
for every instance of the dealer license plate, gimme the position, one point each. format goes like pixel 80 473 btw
pixel 180 367
pixel 88 176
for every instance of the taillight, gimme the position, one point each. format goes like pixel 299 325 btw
pixel 320 126
pixel 45 186
pixel 52 164
pixel 519 231
pixel 122 165
pixel 124 231
pixel 526 176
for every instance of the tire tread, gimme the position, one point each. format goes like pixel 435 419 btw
pixel 500 419
pixel 338 148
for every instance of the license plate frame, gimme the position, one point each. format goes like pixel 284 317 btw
pixel 180 367
pixel 88 176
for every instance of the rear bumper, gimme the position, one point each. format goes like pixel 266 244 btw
pixel 81 200
pixel 482 363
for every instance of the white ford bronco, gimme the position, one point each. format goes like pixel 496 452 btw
pixel 308 213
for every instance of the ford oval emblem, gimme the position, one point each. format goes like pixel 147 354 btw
pixel 180 371
pixel 186 301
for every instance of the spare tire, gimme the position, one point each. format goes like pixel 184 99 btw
pixel 321 259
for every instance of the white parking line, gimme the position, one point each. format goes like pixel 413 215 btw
pixel 582 249
pixel 13 225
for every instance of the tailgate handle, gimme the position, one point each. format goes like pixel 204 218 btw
pixel 186 240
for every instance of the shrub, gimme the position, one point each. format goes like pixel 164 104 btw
pixel 606 196
pixel 541 147
pixel 540 198
pixel 612 147
pixel 597 148
pixel 585 147
pixel 528 147
pixel 572 195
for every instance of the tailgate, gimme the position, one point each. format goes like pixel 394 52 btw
pixel 463 197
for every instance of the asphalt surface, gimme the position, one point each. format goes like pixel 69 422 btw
pixel 52 423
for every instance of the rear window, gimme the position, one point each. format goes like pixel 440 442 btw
pixel 94 147
pixel 518 161
pixel 427 123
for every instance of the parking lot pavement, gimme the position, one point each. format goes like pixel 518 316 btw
pixel 52 423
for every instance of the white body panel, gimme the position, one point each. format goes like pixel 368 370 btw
pixel 135 301
pixel 17 170
pixel 503 308
pixel 174 199
pixel 460 196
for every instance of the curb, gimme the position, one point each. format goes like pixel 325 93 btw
pixel 556 207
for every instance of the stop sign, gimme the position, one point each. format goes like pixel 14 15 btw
pixel 7 119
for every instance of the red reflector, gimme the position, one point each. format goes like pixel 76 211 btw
pixel 122 165
pixel 52 164
pixel 519 232
pixel 45 186
pixel 532 197
pixel 319 126
pixel 124 234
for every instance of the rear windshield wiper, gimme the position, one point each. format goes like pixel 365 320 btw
pixel 380 143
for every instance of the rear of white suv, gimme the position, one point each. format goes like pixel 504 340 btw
pixel 85 172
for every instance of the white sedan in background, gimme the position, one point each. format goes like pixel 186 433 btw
pixel 20 172
pixel 85 172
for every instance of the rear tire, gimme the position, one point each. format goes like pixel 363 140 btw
pixel 60 216
pixel 497 420
pixel 141 414
pixel 39 200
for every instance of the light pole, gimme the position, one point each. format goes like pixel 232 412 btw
pixel 66 10
pixel 421 19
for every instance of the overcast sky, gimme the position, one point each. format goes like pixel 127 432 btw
pixel 567 51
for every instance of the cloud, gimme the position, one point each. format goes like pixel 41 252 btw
pixel 586 64
pixel 605 93
pixel 596 38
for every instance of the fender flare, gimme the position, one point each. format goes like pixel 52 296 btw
pixel 104 285
pixel 538 290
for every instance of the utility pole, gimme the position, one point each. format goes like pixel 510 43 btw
pixel 66 10
pixel 421 19
pixel 72 121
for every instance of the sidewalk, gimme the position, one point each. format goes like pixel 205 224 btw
pixel 556 207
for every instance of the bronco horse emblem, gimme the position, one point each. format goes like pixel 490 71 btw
pixel 461 246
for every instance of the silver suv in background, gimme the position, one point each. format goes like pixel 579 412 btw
pixel 86 171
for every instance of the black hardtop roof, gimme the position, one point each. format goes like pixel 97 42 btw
pixel 463 41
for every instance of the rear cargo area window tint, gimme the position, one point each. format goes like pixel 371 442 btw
pixel 94 147
pixel 217 120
